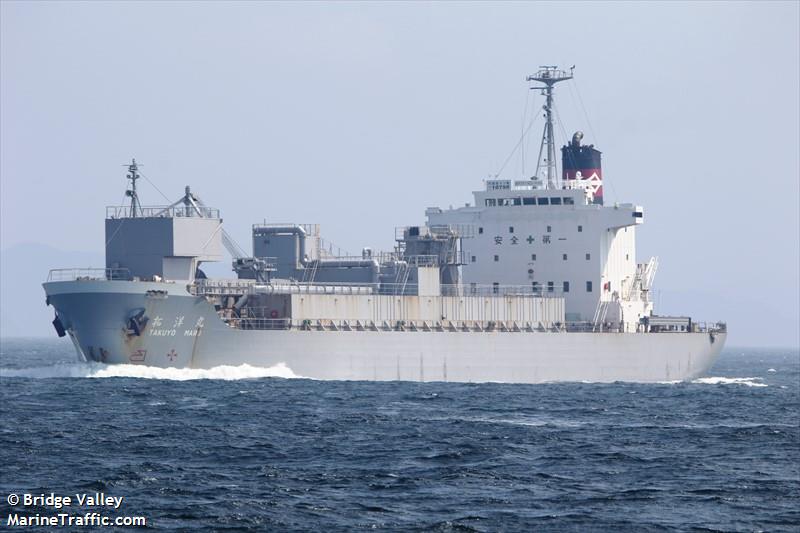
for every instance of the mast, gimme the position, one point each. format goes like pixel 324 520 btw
pixel 549 75
pixel 133 175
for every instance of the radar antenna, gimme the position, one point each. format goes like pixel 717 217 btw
pixel 133 170
pixel 549 76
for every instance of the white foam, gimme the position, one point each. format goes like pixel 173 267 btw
pixel 750 382
pixel 530 421
pixel 98 370
pixel 771 370
pixel 716 380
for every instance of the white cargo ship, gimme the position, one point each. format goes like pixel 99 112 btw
pixel 537 281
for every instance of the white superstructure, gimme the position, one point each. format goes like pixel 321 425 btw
pixel 556 241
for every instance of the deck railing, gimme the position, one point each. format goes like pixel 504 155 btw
pixel 157 211
pixel 237 286
pixel 262 323
pixel 260 319
pixel 616 327
pixel 81 274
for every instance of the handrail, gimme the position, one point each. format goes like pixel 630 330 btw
pixel 206 286
pixel 85 274
pixel 261 319
pixel 161 211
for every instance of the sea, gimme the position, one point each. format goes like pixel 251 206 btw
pixel 260 449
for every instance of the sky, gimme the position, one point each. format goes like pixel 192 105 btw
pixel 358 116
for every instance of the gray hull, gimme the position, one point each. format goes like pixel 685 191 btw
pixel 184 331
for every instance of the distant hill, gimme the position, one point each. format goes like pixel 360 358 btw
pixel 23 269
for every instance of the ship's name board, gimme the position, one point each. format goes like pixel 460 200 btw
pixel 157 331
pixel 173 332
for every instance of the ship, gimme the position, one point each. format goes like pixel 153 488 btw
pixel 535 281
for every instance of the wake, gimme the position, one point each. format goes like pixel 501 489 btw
pixel 750 382
pixel 99 370
pixel 718 380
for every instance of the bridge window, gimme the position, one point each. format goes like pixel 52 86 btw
pixel 529 201
pixel 491 202
pixel 569 201
pixel 588 286
pixel 543 201
pixel 555 201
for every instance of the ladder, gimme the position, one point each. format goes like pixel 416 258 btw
pixel 401 278
pixel 310 273
pixel 600 315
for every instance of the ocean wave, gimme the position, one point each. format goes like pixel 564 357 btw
pixel 99 370
pixel 718 380
pixel 715 380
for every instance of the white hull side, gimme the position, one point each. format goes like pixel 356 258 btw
pixel 95 313
pixel 468 357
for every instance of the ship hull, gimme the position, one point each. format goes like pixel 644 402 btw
pixel 184 331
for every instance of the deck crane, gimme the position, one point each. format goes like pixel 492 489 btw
pixel 243 264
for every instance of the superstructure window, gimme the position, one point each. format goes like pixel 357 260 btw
pixel 569 201
pixel 543 201
pixel 497 258
pixel 491 202
pixel 550 286
pixel 496 287
pixel 588 257
pixel 474 259
pixel 549 229
pixel 535 287
pixel 533 257
pixel 566 286
pixel 529 201
pixel 580 229
pixel 517 201
pixel 480 231
pixel 555 201
pixel 588 286
pixel 564 257
pixel 511 229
